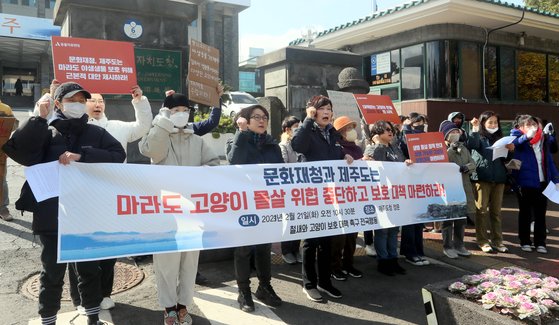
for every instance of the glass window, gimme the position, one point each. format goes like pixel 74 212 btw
pixel 13 2
pixel 412 72
pixel 531 76
pixel 383 68
pixel 491 73
pixel 470 70
pixel 395 65
pixel 507 68
pixel 31 3
pixel 441 69
pixel 553 67
pixel 49 4
pixel 391 92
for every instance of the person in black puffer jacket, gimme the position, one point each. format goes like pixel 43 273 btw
pixel 318 140
pixel 253 145
pixel 66 137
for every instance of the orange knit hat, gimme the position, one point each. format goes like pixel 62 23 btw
pixel 342 122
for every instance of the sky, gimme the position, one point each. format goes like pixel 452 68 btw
pixel 272 24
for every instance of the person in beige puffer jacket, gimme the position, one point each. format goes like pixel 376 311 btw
pixel 171 141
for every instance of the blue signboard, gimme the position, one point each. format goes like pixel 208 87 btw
pixel 27 27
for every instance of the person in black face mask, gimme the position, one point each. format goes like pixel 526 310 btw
pixel 458 119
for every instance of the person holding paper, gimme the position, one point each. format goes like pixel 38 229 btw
pixel 253 145
pixel 124 132
pixel 489 180
pixel 453 230
pixel 318 140
pixel 532 148
pixel 386 240
pixel 66 138
pixel 171 141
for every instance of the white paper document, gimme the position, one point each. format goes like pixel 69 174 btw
pixel 43 180
pixel 499 150
pixel 551 192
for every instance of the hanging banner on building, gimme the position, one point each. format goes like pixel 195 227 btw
pixel 128 209
pixel 427 147
pixel 27 27
pixel 377 108
pixel 158 71
pixel 100 66
pixel 203 74
pixel 345 104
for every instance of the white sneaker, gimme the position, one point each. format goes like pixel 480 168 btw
pixel 370 250
pixel 462 251
pixel 107 303
pixel 526 248
pixel 541 249
pixel 81 310
pixel 450 253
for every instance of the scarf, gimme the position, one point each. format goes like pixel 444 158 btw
pixel 537 137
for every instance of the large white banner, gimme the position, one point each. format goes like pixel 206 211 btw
pixel 114 210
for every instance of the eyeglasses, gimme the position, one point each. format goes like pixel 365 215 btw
pixel 259 118
pixel 389 130
pixel 93 100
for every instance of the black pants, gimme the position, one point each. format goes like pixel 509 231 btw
pixel 368 237
pixel 532 205
pixel 262 263
pixel 291 246
pixel 107 279
pixel 52 277
pixel 317 250
pixel 343 248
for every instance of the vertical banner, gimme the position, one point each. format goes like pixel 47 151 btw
pixel 106 67
pixel 203 74
pixel 427 147
pixel 377 108
pixel 345 104
pixel 158 71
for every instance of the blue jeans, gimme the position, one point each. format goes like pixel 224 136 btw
pixel 386 243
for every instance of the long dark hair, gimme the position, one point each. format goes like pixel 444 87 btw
pixel 483 131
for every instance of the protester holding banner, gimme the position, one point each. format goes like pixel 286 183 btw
pixel 532 148
pixel 489 180
pixel 124 132
pixel 171 141
pixel 411 245
pixel 386 240
pixel 69 138
pixel 318 140
pixel 253 145
pixel 290 250
pixel 453 230
pixel 343 246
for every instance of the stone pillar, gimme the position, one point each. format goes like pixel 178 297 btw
pixel 41 12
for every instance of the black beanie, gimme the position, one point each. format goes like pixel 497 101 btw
pixel 175 100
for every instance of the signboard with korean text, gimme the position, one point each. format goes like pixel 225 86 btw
pixel 345 104
pixel 203 74
pixel 376 108
pixel 27 27
pixel 381 69
pixel 427 147
pixel 90 63
pixel 254 204
pixel 158 71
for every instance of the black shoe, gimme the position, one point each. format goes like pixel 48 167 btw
pixel 339 275
pixel 385 268
pixel 200 279
pixel 353 272
pixel 330 290
pixel 245 301
pixel 267 295
pixel 396 267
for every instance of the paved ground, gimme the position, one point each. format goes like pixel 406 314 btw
pixel 374 299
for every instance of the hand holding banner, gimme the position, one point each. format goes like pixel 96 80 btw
pixel 427 147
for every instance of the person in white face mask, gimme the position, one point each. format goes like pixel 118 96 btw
pixel 171 141
pixel 489 180
pixel 343 246
pixel 453 231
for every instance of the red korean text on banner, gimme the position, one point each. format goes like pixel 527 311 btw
pixel 377 108
pixel 427 147
pixel 99 66
pixel 203 74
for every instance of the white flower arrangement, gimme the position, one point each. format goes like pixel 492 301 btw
pixel 512 291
